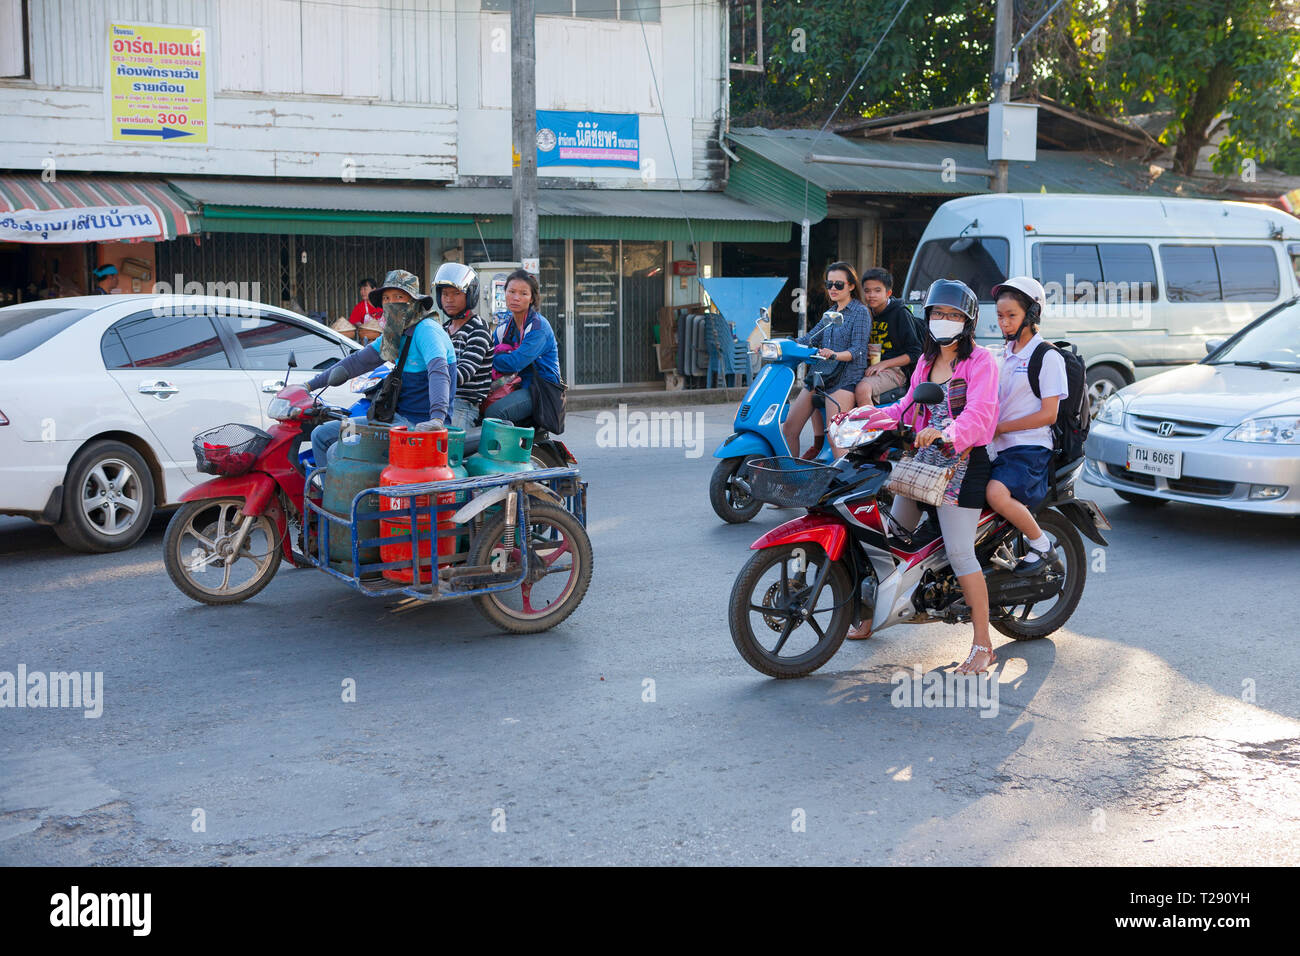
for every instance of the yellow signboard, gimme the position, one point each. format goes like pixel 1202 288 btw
pixel 157 83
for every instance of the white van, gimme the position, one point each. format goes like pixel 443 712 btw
pixel 1137 283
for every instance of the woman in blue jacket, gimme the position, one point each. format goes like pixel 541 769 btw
pixel 530 348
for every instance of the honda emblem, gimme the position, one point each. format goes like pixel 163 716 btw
pixel 1165 429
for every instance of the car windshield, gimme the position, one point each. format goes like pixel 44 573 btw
pixel 1274 343
pixel 23 328
pixel 980 262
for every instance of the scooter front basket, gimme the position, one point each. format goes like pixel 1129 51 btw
pixel 791 482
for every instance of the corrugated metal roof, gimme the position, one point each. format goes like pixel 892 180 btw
pixel 1057 172
pixel 369 197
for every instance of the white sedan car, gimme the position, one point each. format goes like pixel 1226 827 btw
pixel 101 396
pixel 1222 432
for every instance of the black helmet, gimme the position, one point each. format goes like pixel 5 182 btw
pixel 457 276
pixel 956 295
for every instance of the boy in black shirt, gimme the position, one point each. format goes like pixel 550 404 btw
pixel 895 344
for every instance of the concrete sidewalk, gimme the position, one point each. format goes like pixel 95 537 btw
pixel 580 401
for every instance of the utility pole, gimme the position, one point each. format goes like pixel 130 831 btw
pixel 1001 88
pixel 523 115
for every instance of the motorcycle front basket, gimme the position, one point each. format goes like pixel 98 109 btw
pixel 792 482
pixel 229 450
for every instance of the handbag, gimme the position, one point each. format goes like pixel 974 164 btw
pixel 548 403
pixel 384 406
pixel 923 481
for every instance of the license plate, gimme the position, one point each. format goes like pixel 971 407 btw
pixel 1155 461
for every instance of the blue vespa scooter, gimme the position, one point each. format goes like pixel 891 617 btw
pixel 758 421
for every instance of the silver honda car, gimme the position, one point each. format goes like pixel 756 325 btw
pixel 1225 431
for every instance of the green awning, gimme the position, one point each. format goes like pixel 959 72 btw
pixel 773 172
pixel 355 209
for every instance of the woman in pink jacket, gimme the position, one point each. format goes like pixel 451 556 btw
pixel 963 423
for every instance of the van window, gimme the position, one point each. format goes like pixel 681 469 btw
pixel 1248 273
pixel 1191 273
pixel 1096 272
pixel 1132 265
pixel 980 262
pixel 1220 273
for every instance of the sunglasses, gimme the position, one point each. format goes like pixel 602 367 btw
pixel 837 285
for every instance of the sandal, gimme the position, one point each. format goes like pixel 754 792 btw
pixel 965 666
pixel 859 632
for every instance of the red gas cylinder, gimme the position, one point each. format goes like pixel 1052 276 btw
pixel 415 457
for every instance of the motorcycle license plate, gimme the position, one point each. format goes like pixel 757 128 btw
pixel 1155 461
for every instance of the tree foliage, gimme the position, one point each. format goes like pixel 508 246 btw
pixel 1194 59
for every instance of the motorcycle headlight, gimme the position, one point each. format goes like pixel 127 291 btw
pixel 769 351
pixel 1112 411
pixel 851 434
pixel 282 410
pixel 1283 430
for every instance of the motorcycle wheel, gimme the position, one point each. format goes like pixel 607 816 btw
pixel 554 587
pixel 729 502
pixel 197 552
pixel 766 604
pixel 1020 622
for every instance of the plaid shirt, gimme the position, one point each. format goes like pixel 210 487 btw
pixel 853 336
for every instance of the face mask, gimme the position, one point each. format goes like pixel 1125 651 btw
pixel 397 316
pixel 945 331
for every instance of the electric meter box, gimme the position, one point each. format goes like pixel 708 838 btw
pixel 1013 132
pixel 492 286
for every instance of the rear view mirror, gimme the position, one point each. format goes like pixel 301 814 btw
pixel 293 362
pixel 927 393
pixel 837 318
pixel 1212 345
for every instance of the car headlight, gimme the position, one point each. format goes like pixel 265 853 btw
pixel 1283 430
pixel 1112 411
pixel 769 351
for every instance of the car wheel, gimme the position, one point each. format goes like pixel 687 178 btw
pixel 1103 382
pixel 107 498
pixel 1146 501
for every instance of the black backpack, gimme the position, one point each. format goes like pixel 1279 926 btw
pixel 1073 416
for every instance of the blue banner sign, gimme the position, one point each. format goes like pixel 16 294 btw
pixel 588 139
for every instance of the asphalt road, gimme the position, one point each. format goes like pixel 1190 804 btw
pixel 1123 739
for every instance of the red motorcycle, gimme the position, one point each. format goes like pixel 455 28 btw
pixel 226 541
pixel 848 560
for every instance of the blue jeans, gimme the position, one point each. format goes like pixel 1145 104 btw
pixel 515 407
pixel 323 436
pixel 463 414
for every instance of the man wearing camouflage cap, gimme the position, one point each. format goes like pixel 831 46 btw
pixel 428 374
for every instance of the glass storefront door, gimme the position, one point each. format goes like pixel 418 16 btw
pixel 596 353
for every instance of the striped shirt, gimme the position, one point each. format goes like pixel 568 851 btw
pixel 473 344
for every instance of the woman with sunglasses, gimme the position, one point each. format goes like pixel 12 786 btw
pixel 846 343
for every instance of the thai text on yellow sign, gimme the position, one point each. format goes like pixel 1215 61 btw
pixel 157 83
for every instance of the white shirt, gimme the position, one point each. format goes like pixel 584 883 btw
pixel 1015 397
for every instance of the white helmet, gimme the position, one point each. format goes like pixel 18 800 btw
pixel 1032 290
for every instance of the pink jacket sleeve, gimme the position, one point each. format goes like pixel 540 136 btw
pixel 979 419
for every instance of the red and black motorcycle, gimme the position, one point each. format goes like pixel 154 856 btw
pixel 848 560
pixel 225 543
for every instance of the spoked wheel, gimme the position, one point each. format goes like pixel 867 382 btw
pixel 783 623
pixel 730 502
pixel 200 556
pixel 559 569
pixel 1030 621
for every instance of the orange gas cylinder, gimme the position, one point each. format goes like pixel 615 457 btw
pixel 415 457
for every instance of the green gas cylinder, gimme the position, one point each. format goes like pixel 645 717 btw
pixel 456 462
pixel 503 449
pixel 355 463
